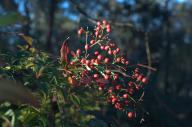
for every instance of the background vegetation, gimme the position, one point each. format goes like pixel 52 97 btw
pixel 164 24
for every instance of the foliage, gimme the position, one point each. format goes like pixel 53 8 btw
pixel 68 87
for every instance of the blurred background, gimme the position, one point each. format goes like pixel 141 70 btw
pixel 164 24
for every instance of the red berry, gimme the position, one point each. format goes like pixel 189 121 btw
pixel 78 51
pixel 126 102
pixel 125 95
pixel 102 47
pixel 87 62
pixel 96 52
pixel 80 31
pixel 110 52
pixel 130 114
pixel 110 90
pixel 118 59
pixel 96 33
pixel 98 28
pixel 114 99
pixel 118 50
pixel 97 61
pixel 140 77
pixel 95 75
pixel 144 80
pixel 123 60
pixel 126 62
pixel 108 30
pixel 106 77
pixel 116 76
pixel 136 70
pixel 114 52
pixel 100 88
pixel 117 87
pixel 108 26
pixel 130 90
pixel 130 84
pixel 87 47
pixel 92 61
pixel 72 63
pixel 118 106
pixel 83 61
pixel 99 57
pixel 98 23
pixel 106 60
pixel 92 41
pixel 106 47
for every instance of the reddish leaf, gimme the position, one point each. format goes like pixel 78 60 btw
pixel 64 51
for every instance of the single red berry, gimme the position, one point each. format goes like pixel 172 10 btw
pixel 88 62
pixel 110 90
pixel 102 47
pixel 130 84
pixel 87 47
pixel 100 88
pixel 108 26
pixel 98 23
pixel 125 95
pixel 118 50
pixel 126 102
pixel 138 87
pixel 99 57
pixel 92 41
pixel 83 61
pixel 96 33
pixel 92 61
pixel 114 52
pixel 78 52
pixel 106 77
pixel 72 63
pixel 117 87
pixel 110 52
pixel 130 90
pixel 136 70
pixel 144 80
pixel 106 47
pixel 95 75
pixel 140 77
pixel 106 60
pixel 118 106
pixel 116 76
pixel 80 31
pixel 122 60
pixel 98 28
pixel 113 100
pixel 97 61
pixel 96 52
pixel 130 114
pixel 108 30
pixel 118 59
pixel 126 62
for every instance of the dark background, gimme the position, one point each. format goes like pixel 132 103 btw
pixel 164 24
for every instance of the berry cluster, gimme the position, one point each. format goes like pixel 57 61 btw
pixel 101 64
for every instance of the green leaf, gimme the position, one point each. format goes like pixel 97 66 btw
pixel 75 99
pixel 11 18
